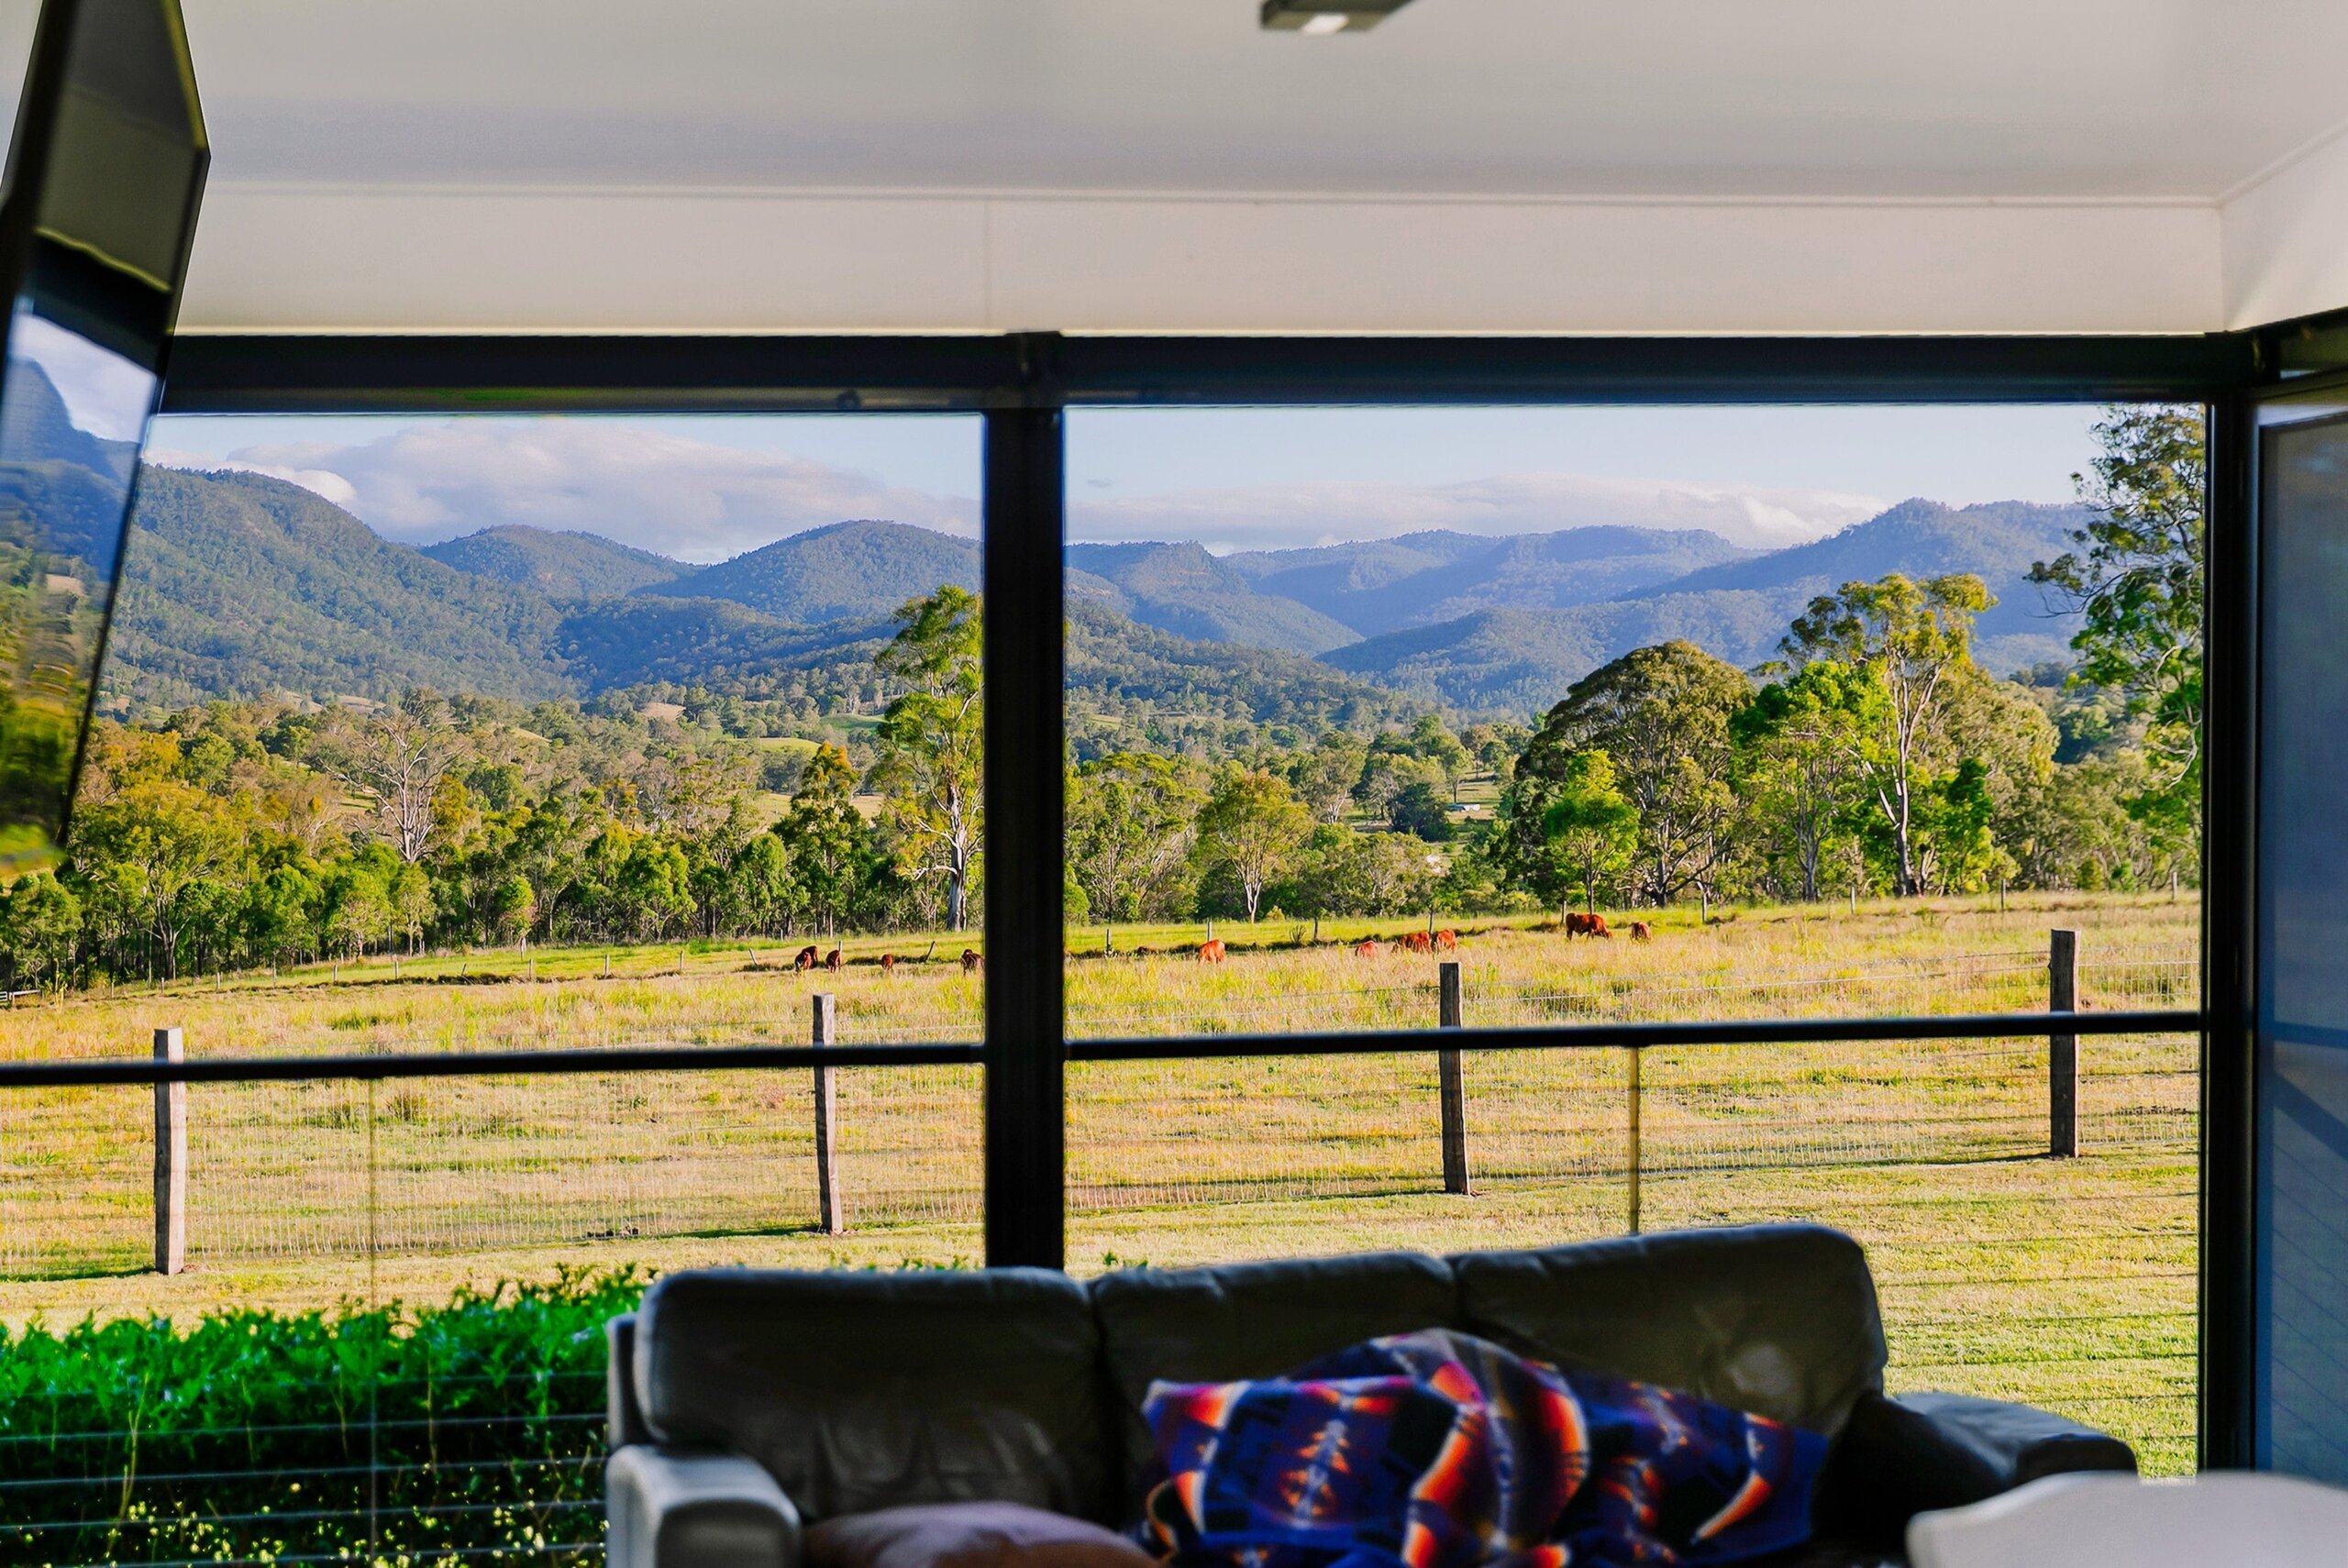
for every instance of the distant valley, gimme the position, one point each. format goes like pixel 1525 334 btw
pixel 237 584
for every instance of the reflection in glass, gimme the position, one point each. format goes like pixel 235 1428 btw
pixel 2302 1234
pixel 66 470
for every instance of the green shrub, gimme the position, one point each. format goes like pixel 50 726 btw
pixel 389 1435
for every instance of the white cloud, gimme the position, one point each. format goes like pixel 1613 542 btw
pixel 693 499
pixel 324 482
pixel 1284 516
pixel 701 501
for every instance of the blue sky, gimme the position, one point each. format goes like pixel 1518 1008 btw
pixel 705 487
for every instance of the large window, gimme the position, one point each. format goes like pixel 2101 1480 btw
pixel 1381 720
pixel 520 776
pixel 423 737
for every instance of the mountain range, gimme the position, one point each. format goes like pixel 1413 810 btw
pixel 238 583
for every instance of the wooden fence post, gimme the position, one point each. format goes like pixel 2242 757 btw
pixel 830 1217
pixel 170 1159
pixel 1452 1087
pixel 2063 1050
pixel 1633 1151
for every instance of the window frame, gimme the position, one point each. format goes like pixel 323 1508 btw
pixel 1024 383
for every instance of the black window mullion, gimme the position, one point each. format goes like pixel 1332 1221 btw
pixel 2228 926
pixel 1026 1140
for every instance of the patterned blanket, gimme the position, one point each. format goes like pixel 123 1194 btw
pixel 1436 1450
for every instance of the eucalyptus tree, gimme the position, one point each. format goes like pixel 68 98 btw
pixel 930 738
pixel 1132 820
pixel 1661 715
pixel 1253 826
pixel 1913 642
pixel 2135 577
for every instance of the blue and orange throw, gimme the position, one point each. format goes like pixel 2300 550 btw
pixel 1437 1449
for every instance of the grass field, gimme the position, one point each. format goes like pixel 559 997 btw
pixel 2068 1283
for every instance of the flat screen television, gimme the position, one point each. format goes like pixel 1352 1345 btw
pixel 105 171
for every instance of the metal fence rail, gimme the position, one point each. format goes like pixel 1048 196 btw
pixel 1584 1109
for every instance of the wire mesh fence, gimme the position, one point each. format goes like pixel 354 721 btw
pixel 330 1169
pixel 2067 1282
pixel 325 1169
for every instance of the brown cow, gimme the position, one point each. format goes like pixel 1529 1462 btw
pixel 1367 949
pixel 1211 950
pixel 1642 932
pixel 832 961
pixel 806 959
pixel 971 962
pixel 1446 941
pixel 1419 941
pixel 1588 925
pixel 887 963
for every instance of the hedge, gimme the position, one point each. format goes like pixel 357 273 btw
pixel 393 1435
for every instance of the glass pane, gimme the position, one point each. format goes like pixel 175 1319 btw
pixel 1778 701
pixel 71 419
pixel 2303 918
pixel 105 195
pixel 492 733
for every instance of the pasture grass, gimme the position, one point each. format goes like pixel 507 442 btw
pixel 2067 1282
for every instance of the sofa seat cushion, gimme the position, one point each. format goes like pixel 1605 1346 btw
pixel 969 1535
pixel 1778 1319
pixel 860 1391
pixel 1252 1319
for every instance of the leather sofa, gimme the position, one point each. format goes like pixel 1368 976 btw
pixel 745 1404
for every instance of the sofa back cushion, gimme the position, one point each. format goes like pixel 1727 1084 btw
pixel 1778 1319
pixel 1252 1319
pixel 860 1391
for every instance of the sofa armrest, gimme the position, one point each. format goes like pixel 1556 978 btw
pixel 673 1509
pixel 1901 1456
pixel 1981 1447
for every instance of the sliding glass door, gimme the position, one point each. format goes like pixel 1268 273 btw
pixel 2301 952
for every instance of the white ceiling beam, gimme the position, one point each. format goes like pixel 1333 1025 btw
pixel 293 258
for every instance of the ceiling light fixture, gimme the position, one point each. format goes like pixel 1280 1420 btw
pixel 1318 18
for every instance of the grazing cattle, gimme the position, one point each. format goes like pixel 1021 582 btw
pixel 1211 951
pixel 971 962
pixel 1446 941
pixel 887 963
pixel 1588 925
pixel 1642 932
pixel 806 959
pixel 1366 950
pixel 1419 941
pixel 833 961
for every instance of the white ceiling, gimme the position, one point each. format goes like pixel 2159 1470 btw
pixel 1853 98
pixel 2069 103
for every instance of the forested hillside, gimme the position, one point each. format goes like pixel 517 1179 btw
pixel 1511 659
pixel 241 585
pixel 847 571
pixel 1183 589
pixel 560 566
pixel 1532 571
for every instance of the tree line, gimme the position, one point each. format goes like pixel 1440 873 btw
pixel 1873 755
